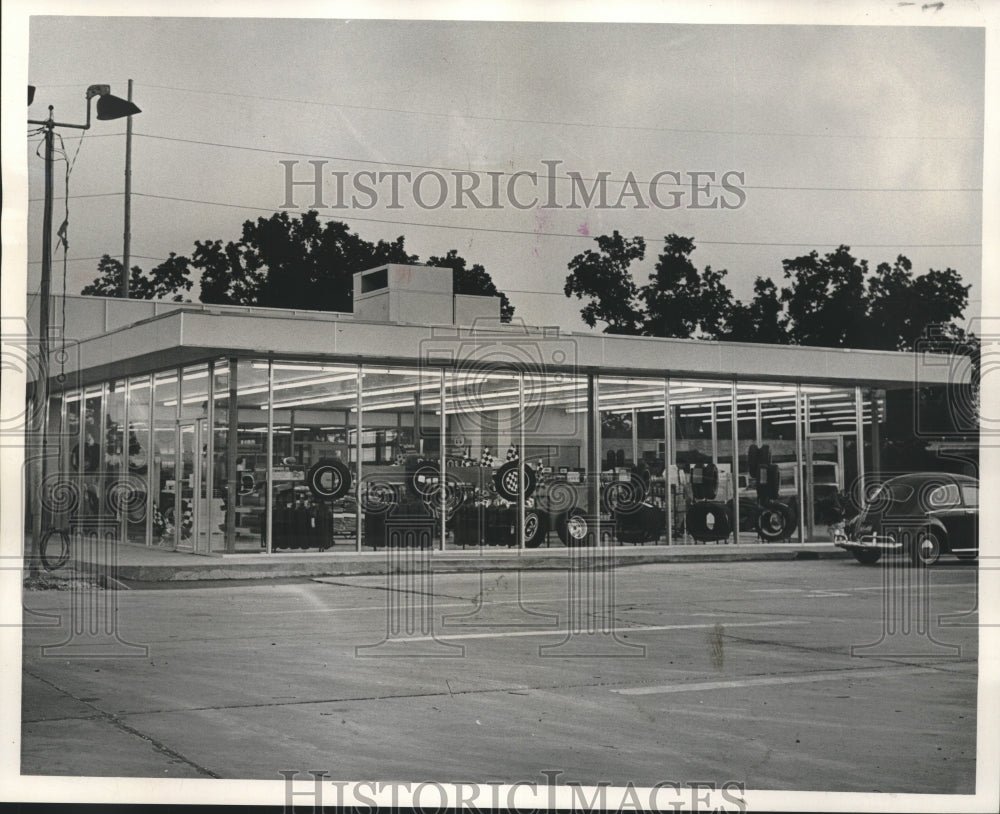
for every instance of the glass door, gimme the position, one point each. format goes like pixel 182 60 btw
pixel 194 509
pixel 188 461
pixel 824 481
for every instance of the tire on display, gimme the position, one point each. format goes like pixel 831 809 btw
pixel 708 520
pixel 534 528
pixel 867 557
pixel 327 479
pixel 574 528
pixel 508 481
pixel 926 550
pixel 774 522
pixel 54 549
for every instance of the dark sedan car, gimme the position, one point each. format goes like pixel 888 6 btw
pixel 924 515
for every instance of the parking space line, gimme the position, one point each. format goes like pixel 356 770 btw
pixel 559 630
pixel 378 605
pixel 825 675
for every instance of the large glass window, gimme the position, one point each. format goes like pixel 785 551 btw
pixel 831 457
pixel 314 421
pixel 250 516
pixel 200 513
pixel 879 453
pixel 748 442
pixel 137 458
pixel 88 454
pixel 632 459
pixel 561 457
pixel 218 480
pixel 401 450
pixel 62 488
pixel 164 492
pixel 481 409
pixel 119 499
pixel 704 493
pixel 775 475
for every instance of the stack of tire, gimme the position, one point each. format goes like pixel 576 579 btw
pixel 501 521
pixel 403 508
pixel 300 523
pixel 707 519
pixel 636 521
pixel 775 520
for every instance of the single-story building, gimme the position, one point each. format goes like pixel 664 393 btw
pixel 421 419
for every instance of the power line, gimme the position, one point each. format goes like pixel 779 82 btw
pixel 558 234
pixel 556 123
pixel 83 195
pixel 87 259
pixel 271 151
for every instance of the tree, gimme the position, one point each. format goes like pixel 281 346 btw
pixel 827 301
pixel 605 277
pixel 290 262
pixel 760 319
pixel 677 301
pixel 168 279
pixel 473 280
pixel 285 262
pixel 902 306
pixel 825 304
pixel 680 300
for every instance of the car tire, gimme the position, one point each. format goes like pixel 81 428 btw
pixel 775 522
pixel 574 528
pixel 534 528
pixel 867 557
pixel 927 550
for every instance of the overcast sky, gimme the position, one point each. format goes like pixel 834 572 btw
pixel 868 136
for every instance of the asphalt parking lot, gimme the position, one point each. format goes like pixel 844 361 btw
pixel 801 675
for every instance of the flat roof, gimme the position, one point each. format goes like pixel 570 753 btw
pixel 161 335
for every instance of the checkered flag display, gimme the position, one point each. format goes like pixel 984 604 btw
pixel 486 459
pixel 512 454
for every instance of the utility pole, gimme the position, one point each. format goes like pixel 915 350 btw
pixel 126 253
pixel 39 416
pixel 108 107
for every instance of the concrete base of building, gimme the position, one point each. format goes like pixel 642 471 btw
pixel 132 563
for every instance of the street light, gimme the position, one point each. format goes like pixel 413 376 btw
pixel 108 107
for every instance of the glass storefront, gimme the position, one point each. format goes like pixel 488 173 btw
pixel 137 456
pixel 313 420
pixel 482 432
pixel 165 530
pixel 399 447
pixel 703 477
pixel 633 456
pixel 256 455
pixel 553 453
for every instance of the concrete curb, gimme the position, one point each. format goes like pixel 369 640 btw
pixel 285 566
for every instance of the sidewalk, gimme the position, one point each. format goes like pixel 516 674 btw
pixel 137 563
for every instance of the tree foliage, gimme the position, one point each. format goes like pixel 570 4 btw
pixel 168 280
pixel 605 277
pixel 830 300
pixel 473 280
pixel 681 300
pixel 285 262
